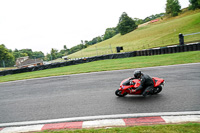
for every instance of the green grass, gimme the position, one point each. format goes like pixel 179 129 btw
pixel 112 64
pixel 6 68
pixel 159 34
pixel 175 128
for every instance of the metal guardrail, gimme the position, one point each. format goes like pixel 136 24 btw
pixel 181 37
pixel 191 34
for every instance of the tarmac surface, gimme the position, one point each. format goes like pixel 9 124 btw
pixel 92 94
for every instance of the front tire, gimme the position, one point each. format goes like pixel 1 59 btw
pixel 119 93
pixel 157 89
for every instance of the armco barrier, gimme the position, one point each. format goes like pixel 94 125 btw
pixel 154 51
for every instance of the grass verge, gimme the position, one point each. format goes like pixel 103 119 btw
pixel 175 128
pixel 108 65
pixel 6 68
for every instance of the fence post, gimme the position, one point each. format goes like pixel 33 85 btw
pixel 111 49
pixel 181 39
pixel 4 64
pixel 96 50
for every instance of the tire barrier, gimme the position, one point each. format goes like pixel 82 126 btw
pixel 147 52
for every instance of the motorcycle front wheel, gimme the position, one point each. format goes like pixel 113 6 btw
pixel 119 93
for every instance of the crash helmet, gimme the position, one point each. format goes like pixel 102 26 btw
pixel 137 74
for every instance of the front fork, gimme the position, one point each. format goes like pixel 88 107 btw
pixel 123 91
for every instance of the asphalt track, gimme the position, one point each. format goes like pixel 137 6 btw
pixel 92 94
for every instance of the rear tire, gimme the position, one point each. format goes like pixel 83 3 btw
pixel 119 93
pixel 157 89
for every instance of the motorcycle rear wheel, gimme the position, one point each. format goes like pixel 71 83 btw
pixel 157 89
pixel 119 93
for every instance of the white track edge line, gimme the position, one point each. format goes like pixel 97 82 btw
pixel 100 117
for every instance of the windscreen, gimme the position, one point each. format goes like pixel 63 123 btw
pixel 127 82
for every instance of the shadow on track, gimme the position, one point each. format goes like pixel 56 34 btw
pixel 139 98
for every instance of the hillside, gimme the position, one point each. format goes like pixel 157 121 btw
pixel 162 33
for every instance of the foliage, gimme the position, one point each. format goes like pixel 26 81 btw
pixel 147 19
pixel 38 54
pixel 126 24
pixel 194 4
pixel 110 32
pixel 76 48
pixel 94 41
pixel 6 57
pixel 173 7
pixel 28 52
pixel 54 53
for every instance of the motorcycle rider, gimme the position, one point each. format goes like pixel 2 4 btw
pixel 146 82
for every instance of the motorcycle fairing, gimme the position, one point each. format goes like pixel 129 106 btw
pixel 157 81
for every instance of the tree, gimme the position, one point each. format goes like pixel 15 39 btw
pixel 110 32
pixel 138 21
pixel 194 4
pixel 147 19
pixel 26 52
pixel 48 57
pixel 65 47
pixel 54 54
pixel 64 51
pixel 99 39
pixel 126 24
pixel 173 7
pixel 16 53
pixel 38 54
pixel 82 42
pixel 6 57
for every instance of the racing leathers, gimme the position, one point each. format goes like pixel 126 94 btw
pixel 146 84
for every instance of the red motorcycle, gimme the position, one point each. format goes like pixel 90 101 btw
pixel 128 83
